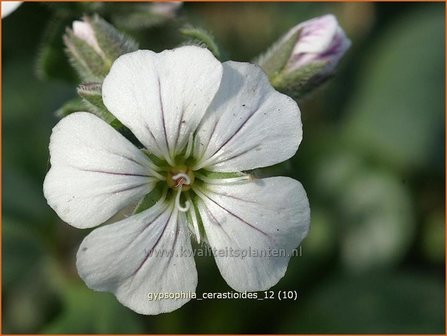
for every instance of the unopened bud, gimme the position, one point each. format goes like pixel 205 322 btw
pixel 319 40
pixel 306 56
pixel 85 32
pixel 93 45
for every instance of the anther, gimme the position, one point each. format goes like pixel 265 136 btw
pixel 181 179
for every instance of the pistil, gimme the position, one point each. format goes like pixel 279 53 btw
pixel 180 179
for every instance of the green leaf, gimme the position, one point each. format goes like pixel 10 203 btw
pixel 275 58
pixel 91 93
pixel 89 64
pixel 71 106
pixel 201 37
pixel 300 82
pixel 51 60
pixel 93 62
pixel 111 41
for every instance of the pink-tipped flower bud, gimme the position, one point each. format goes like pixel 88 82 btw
pixel 84 31
pixel 93 45
pixel 319 39
pixel 306 56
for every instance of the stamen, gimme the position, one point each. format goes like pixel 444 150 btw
pixel 152 165
pixel 154 170
pixel 230 180
pixel 200 164
pixel 195 222
pixel 163 196
pixel 179 182
pixel 186 179
pixel 177 202
pixel 189 146
pixel 198 191
pixel 169 160
pixel 157 175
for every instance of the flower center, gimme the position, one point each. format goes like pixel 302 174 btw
pixel 181 188
pixel 180 178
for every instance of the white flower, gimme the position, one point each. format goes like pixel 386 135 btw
pixel 199 119
pixel 319 39
pixel 9 6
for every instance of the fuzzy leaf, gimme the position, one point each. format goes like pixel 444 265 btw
pixel 91 93
pixel 51 61
pixel 112 42
pixel 201 37
pixel 276 57
pixel 93 61
pixel 90 66
pixel 301 81
pixel 71 106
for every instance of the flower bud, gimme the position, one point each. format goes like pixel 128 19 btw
pixel 319 39
pixel 306 56
pixel 93 45
pixel 85 32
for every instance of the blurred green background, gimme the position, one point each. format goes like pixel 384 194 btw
pixel 372 162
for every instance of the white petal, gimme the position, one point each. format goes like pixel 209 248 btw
pixel 162 97
pixel 254 218
pixel 249 124
pixel 131 259
pixel 95 171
